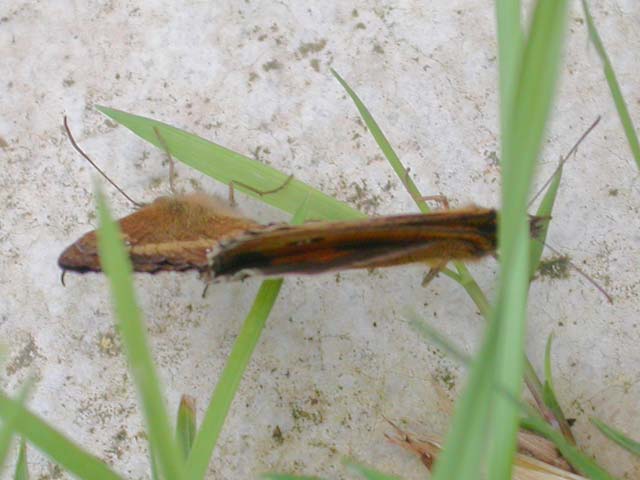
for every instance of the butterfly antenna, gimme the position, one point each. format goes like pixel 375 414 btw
pixel 564 159
pixel 172 168
pixel 86 157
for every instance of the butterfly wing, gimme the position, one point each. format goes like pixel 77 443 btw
pixel 323 246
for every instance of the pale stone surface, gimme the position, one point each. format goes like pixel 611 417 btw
pixel 336 354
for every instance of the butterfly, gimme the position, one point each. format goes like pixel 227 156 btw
pixel 199 232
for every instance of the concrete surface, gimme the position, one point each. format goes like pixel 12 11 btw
pixel 336 355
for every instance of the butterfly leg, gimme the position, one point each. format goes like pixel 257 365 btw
pixel 442 200
pixel 439 199
pixel 413 190
pixel 434 271
pixel 233 183
pixel 207 277
pixel 172 168
pixel 440 264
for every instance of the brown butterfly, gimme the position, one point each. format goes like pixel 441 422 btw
pixel 202 233
pixel 198 232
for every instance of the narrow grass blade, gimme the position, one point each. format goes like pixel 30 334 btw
pixel 366 472
pixel 400 170
pixel 536 248
pixel 186 424
pixel 9 423
pixel 117 266
pixel 550 188
pixel 6 439
pixel 436 338
pixel 510 45
pixel 231 376
pixel 154 465
pixel 548 374
pixel 385 146
pixel 53 444
pixel 617 436
pixel 22 469
pixel 578 460
pixel 614 86
pixel 225 166
pixel 463 276
pixel 470 422
pixel 550 398
pixel 521 142
pixel 544 212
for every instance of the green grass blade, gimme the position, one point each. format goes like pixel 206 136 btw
pixel 550 398
pixel 366 472
pixel 578 460
pixel 117 266
pixel 231 376
pixel 53 444
pixel 22 469
pixel 225 166
pixel 536 248
pixel 9 421
pixel 525 127
pixel 6 438
pixel 155 475
pixel 501 358
pixel 431 334
pixel 463 276
pixel 522 137
pixel 385 146
pixel 614 86
pixel 510 45
pixel 548 375
pixel 617 436
pixel 544 212
pixel 470 421
pixel 400 170
pixel 186 424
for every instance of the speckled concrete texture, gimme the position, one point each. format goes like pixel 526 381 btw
pixel 336 355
